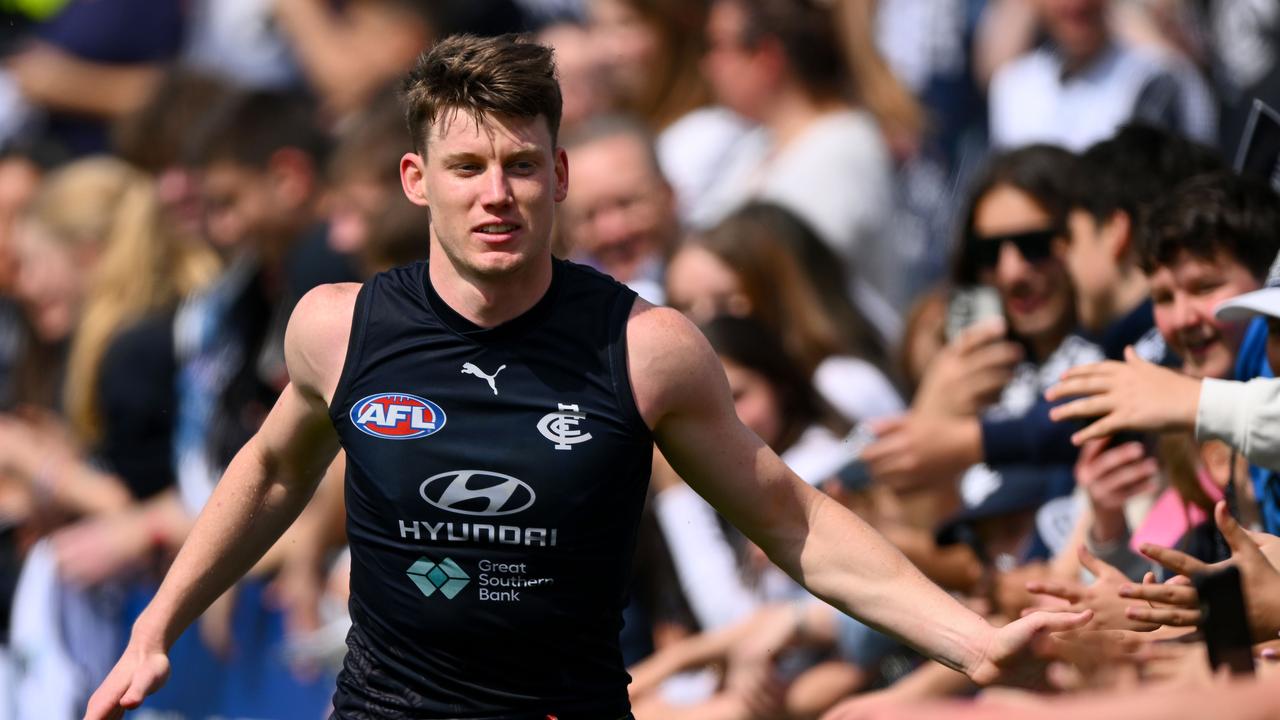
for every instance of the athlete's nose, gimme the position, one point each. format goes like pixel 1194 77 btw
pixel 497 189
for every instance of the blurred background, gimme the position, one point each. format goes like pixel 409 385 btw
pixel 899 222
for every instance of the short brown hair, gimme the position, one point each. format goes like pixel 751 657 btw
pixel 504 75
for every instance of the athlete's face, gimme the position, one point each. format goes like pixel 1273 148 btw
pixel 1184 295
pixel 492 187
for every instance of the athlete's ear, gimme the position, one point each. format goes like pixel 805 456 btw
pixel 562 174
pixel 413 172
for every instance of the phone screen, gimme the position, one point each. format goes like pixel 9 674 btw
pixel 1225 624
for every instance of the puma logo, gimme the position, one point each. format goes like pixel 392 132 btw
pixel 471 369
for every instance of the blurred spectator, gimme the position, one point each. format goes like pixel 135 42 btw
pixel 94 60
pixel 650 50
pixel 386 36
pixel 749 266
pixel 111 268
pixel 621 216
pixel 242 42
pixel 929 45
pixel 1086 82
pixel 364 181
pixel 259 155
pixel 780 63
pixel 1244 47
pixel 581 68
pixel 1119 179
pixel 979 400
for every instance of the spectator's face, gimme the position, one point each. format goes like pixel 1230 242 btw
pixel 1030 277
pixel 1184 295
pixel 621 213
pixel 49 285
pixel 627 44
pixel 1092 261
pixel 755 401
pixel 1273 343
pixel 353 206
pixel 492 187
pixel 237 205
pixel 702 286
pixel 1079 27
pixel 738 74
pixel 580 65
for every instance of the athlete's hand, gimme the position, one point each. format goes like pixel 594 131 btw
pixel 1134 396
pixel 1009 659
pixel 141 670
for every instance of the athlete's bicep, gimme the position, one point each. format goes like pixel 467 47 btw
pixel 297 441
pixel 682 392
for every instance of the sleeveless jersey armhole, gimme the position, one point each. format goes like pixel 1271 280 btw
pixel 355 353
pixel 619 368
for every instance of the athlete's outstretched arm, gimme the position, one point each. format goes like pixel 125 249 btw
pixel 262 491
pixel 682 393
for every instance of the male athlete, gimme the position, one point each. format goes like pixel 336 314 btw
pixel 492 515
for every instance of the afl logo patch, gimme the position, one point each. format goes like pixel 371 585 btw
pixel 397 416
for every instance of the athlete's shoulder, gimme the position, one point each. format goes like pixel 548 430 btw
pixel 316 339
pixel 669 359
pixel 588 277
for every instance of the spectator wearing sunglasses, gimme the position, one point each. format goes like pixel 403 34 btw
pixel 1014 229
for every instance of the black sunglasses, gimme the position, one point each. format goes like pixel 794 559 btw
pixel 1034 245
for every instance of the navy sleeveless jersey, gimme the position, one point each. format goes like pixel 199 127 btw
pixel 495 479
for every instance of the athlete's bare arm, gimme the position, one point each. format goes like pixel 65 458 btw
pixel 683 395
pixel 262 491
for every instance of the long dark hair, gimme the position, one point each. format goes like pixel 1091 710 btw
pixel 750 344
pixel 1045 172
pixel 795 283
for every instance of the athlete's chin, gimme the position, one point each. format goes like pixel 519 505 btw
pixel 499 264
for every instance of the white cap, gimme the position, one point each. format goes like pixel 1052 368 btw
pixel 1259 302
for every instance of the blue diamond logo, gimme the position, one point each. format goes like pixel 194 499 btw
pixel 445 576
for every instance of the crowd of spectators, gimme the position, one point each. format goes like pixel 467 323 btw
pixel 986 272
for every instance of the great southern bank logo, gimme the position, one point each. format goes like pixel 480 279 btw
pixel 397 416
pixel 477 492
pixel 444 576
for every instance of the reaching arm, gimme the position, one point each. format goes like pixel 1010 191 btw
pixel 262 491
pixel 682 393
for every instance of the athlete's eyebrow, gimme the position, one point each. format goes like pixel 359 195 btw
pixel 531 153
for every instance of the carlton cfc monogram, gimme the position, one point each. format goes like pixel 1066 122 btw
pixel 561 427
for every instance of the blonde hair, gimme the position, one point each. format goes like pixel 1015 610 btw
pixel 142 265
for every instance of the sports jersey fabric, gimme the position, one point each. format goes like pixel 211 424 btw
pixel 495 478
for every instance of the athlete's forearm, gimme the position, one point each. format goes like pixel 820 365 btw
pixel 254 503
pixel 853 567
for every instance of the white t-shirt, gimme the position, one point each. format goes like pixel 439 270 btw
pixel 856 389
pixel 1031 102
pixel 837 177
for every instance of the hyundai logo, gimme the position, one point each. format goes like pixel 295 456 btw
pixel 477 492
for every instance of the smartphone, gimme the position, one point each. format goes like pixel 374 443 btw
pixel 969 306
pixel 1223 620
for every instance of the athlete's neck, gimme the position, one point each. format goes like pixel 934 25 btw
pixel 489 301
